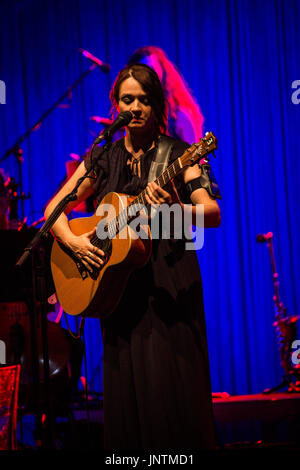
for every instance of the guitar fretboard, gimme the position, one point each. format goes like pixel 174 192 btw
pixel 130 212
pixel 139 202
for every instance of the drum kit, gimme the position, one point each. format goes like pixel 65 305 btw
pixel 14 311
pixel 65 352
pixel 21 331
pixel 50 356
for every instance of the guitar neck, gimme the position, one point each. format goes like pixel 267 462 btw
pixel 140 202
pixel 173 170
pixel 189 157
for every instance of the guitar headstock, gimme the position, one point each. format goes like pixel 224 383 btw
pixel 196 152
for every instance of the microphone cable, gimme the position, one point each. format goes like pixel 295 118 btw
pixel 81 335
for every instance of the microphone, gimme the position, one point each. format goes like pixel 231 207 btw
pixel 122 120
pixel 263 237
pixel 103 66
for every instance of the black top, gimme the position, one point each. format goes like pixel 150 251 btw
pixel 114 174
pixel 156 380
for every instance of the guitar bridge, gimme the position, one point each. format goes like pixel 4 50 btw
pixel 84 273
pixel 80 266
pixel 82 270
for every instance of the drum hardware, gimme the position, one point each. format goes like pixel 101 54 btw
pixel 35 250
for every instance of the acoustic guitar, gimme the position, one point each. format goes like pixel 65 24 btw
pixel 97 293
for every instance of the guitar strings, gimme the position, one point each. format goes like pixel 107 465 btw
pixel 122 219
pixel 118 223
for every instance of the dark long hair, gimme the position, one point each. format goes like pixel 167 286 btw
pixel 151 85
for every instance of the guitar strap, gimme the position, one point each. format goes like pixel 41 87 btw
pixel 162 156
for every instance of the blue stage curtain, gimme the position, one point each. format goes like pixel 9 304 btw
pixel 240 59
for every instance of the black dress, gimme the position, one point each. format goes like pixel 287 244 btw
pixel 157 393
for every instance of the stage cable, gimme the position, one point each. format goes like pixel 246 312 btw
pixel 81 335
pixel 86 387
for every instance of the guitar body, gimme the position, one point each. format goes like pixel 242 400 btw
pixel 98 294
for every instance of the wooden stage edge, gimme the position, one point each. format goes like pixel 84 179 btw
pixel 258 420
pixel 257 406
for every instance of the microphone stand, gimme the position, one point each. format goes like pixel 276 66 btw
pixel 286 328
pixel 36 250
pixel 16 148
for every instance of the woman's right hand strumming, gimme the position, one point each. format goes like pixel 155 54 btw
pixel 85 251
pixel 80 245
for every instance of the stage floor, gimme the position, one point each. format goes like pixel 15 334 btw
pixel 242 422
